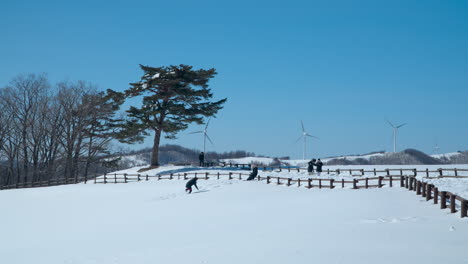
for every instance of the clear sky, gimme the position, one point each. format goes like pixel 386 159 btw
pixel 340 66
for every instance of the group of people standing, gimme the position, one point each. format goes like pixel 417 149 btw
pixel 318 166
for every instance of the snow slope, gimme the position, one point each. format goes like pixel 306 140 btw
pixel 227 222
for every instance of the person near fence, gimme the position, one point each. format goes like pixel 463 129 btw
pixel 253 174
pixel 310 168
pixel 319 165
pixel 190 183
pixel 201 158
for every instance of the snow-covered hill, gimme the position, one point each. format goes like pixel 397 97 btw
pixel 227 221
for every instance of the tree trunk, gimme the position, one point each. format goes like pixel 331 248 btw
pixel 155 152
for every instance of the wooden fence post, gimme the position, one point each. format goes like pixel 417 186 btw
pixel 443 199
pixel 240 176
pixel 354 183
pixel 401 172
pixel 138 177
pixel 115 177
pixel 278 181
pixel 268 179
pixel 463 208
pixel 429 192
pixel 415 172
pixel 342 183
pixel 125 177
pixel 402 181
pixel 206 176
pixel 367 183
pixel 423 189
pixel 298 182
pixel 391 181
pixel 105 179
pixel 375 172
pixel 406 182
pixel 380 181
pixel 440 173
pixel 309 182
pixel 452 203
pixel 320 183
pixel 436 195
pixel 418 187
pixel 218 175
pixel 171 176
pixel 331 183
pixel 456 172
pixel 388 172
pixel 338 171
pixel 146 176
pixel 289 182
pixel 185 175
pixel 411 180
pixel 362 172
pixel 427 172
pixel 328 171
pixel 230 175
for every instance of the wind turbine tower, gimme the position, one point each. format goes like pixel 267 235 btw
pixel 304 137
pixel 205 135
pixel 395 131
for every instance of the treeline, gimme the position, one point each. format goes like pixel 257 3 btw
pixel 53 131
pixel 178 154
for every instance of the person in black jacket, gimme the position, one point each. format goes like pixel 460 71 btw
pixel 319 165
pixel 192 182
pixel 253 174
pixel 310 168
pixel 201 158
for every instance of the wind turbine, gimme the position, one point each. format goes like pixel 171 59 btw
pixel 304 136
pixel 436 149
pixel 395 130
pixel 205 135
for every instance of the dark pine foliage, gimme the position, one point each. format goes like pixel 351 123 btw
pixel 172 98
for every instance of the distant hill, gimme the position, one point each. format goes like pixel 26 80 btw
pixel 175 154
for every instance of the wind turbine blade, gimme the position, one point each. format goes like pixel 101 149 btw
pixel 298 139
pixel 196 132
pixel 207 137
pixel 302 124
pixel 401 125
pixel 390 123
pixel 207 123
pixel 312 136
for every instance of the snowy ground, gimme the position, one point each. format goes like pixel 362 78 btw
pixel 226 222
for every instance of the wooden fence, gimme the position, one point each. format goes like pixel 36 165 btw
pixel 429 191
pixel 441 172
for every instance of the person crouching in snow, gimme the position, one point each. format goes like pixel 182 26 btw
pixel 253 174
pixel 192 182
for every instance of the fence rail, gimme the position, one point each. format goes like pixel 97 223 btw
pixel 442 172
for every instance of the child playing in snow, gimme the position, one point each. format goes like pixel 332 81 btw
pixel 192 182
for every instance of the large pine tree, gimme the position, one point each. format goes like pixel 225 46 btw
pixel 173 97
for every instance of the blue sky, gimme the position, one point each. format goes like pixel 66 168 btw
pixel 340 66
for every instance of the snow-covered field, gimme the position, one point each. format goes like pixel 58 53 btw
pixel 228 221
